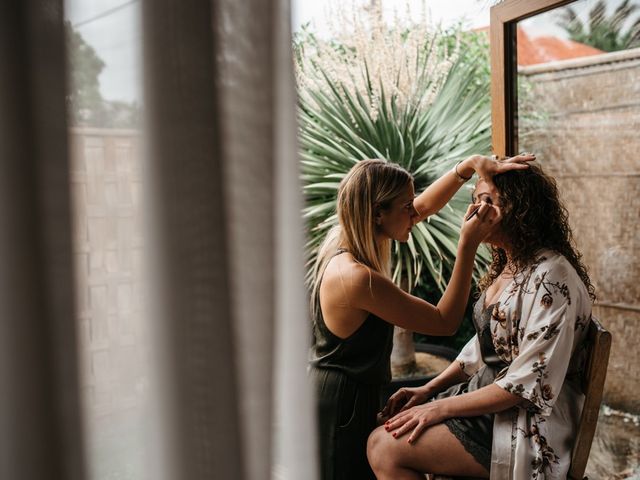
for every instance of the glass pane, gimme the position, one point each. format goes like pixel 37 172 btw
pixel 104 99
pixel 579 111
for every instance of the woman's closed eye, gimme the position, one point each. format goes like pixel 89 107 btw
pixel 482 198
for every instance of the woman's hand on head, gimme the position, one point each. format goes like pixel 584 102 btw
pixel 480 220
pixel 416 420
pixel 487 167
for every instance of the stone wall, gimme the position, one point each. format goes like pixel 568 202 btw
pixel 589 139
pixel 106 192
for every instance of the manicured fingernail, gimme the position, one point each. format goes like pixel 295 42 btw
pixel 394 434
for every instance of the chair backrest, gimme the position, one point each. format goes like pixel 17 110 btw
pixel 598 347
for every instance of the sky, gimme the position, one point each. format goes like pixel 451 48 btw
pixel 117 38
pixel 112 28
pixel 446 12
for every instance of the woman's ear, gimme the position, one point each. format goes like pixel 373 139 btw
pixel 377 214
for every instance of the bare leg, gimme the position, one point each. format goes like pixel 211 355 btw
pixel 436 451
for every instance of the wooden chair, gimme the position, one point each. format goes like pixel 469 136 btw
pixel 598 347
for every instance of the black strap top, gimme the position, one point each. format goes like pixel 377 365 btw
pixel 364 355
pixel 482 324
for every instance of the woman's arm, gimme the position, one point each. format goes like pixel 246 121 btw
pixel 440 192
pixel 452 375
pixel 377 294
pixel 436 195
pixel 489 399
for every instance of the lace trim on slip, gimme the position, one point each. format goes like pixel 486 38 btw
pixel 479 453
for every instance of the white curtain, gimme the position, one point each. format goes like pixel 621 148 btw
pixel 227 317
pixel 40 432
pixel 295 431
pixel 228 236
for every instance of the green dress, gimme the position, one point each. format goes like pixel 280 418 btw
pixel 348 375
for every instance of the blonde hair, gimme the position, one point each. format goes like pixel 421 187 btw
pixel 369 186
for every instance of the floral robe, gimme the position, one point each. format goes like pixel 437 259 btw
pixel 538 328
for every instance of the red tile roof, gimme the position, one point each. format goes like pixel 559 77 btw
pixel 532 51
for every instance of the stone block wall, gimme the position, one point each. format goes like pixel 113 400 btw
pixel 589 139
pixel 106 192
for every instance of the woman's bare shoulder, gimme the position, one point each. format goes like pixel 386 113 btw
pixel 347 272
pixel 344 268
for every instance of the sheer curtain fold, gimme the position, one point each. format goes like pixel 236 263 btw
pixel 224 169
pixel 190 298
pixel 266 236
pixel 40 426
pixel 245 55
pixel 294 435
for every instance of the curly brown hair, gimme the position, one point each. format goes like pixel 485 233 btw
pixel 533 218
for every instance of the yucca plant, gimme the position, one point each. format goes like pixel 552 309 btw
pixel 405 93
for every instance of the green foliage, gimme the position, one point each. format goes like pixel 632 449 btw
pixel 474 49
pixel 86 105
pixel 84 67
pixel 605 32
pixel 340 126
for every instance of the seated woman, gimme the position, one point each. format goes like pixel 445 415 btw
pixel 509 406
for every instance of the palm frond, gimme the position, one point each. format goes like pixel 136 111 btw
pixel 597 14
pixel 622 14
pixel 602 31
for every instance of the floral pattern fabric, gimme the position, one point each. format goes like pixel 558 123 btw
pixel 538 328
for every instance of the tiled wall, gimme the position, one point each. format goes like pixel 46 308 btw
pixel 106 192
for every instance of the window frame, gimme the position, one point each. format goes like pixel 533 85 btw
pixel 504 18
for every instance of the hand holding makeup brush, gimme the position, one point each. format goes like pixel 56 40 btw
pixel 479 221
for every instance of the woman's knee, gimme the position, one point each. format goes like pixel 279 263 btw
pixel 381 450
pixel 378 448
